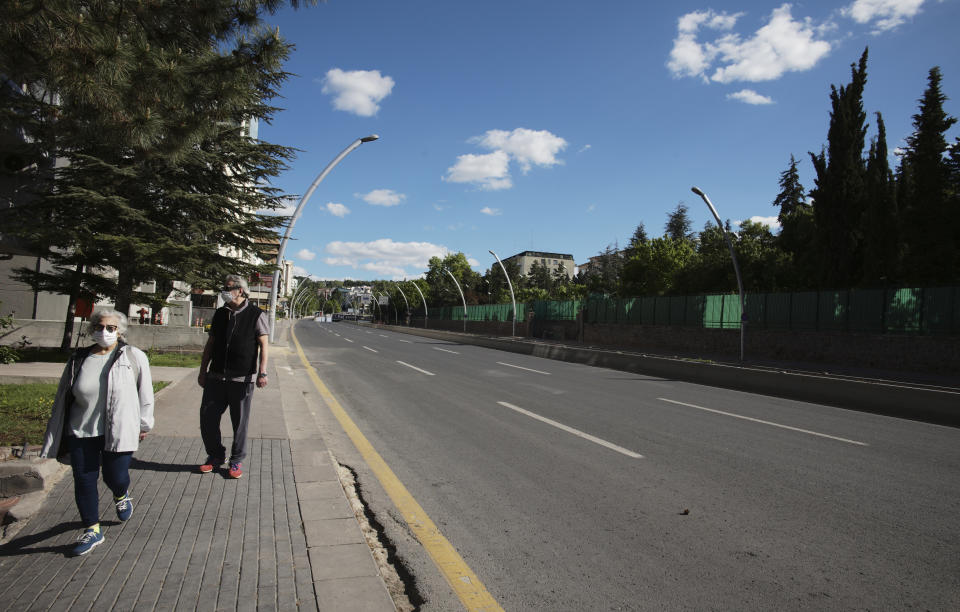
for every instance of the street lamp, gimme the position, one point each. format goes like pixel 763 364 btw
pixel 461 297
pixel 736 267
pixel 404 300
pixel 512 298
pixel 426 313
pixel 296 215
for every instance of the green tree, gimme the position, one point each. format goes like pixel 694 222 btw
pixel 147 103
pixel 679 225
pixel 881 247
pixel 797 229
pixel 927 215
pixel 839 192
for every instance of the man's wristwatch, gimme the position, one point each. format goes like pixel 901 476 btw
pixel 262 375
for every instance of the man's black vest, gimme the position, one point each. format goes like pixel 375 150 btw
pixel 235 341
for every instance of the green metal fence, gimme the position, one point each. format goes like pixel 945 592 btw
pixel 897 310
pixel 478 312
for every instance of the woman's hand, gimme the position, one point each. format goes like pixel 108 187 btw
pixel 143 434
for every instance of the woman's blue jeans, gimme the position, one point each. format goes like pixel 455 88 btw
pixel 87 455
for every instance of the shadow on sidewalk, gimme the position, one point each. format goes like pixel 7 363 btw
pixel 153 466
pixel 24 545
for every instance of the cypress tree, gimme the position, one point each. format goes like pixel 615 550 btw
pixel 928 217
pixel 880 234
pixel 838 198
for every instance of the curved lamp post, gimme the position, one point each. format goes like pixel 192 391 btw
pixel 296 215
pixel 461 297
pixel 404 297
pixel 736 267
pixel 426 314
pixel 512 298
pixel 298 294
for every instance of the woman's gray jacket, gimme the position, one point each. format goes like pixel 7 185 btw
pixel 129 402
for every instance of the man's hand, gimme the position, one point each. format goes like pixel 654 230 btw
pixel 143 435
pixel 202 378
pixel 261 381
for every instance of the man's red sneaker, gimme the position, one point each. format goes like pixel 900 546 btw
pixel 210 465
pixel 235 470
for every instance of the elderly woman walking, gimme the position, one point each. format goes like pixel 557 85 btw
pixel 103 409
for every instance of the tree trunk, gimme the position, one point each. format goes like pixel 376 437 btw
pixel 124 291
pixel 71 310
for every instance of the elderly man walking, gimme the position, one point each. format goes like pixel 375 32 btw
pixel 234 360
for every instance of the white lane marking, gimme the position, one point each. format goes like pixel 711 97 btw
pixel 445 350
pixel 407 341
pixel 416 368
pixel 369 332
pixel 370 349
pixel 337 335
pixel 383 335
pixel 746 418
pixel 510 365
pixel 576 432
pixel 348 340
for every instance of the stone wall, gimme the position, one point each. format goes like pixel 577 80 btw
pixel 50 333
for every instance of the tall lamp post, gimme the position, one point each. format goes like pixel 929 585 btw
pixel 296 215
pixel 426 313
pixel 512 298
pixel 736 266
pixel 404 298
pixel 461 297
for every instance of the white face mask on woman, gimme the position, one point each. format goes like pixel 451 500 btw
pixel 105 338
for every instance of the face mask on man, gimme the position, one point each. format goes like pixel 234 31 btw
pixel 226 296
pixel 105 338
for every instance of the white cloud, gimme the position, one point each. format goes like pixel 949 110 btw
pixel 526 147
pixel 585 147
pixel 357 91
pixel 382 197
pixel 306 254
pixel 384 256
pixel 337 210
pixel 748 96
pixel 493 212
pixel 591 208
pixel 473 262
pixel 887 14
pixel 770 222
pixel 489 171
pixel 782 45
pixel 300 271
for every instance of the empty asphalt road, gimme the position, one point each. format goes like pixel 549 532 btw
pixel 568 487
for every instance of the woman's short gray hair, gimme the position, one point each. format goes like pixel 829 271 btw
pixel 98 316
pixel 239 281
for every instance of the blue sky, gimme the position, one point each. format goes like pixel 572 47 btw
pixel 559 126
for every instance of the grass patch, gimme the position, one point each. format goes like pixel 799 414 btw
pixel 25 409
pixel 156 358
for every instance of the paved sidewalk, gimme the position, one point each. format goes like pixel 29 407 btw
pixel 283 537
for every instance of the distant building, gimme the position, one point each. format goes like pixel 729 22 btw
pixel 526 259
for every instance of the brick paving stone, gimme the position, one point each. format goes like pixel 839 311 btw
pixel 203 541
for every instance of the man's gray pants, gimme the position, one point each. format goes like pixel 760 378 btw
pixel 218 395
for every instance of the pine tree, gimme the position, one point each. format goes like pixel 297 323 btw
pixel 150 100
pixel 796 229
pixel 791 196
pixel 838 198
pixel 928 217
pixel 679 225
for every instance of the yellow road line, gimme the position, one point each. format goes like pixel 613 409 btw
pixel 461 578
